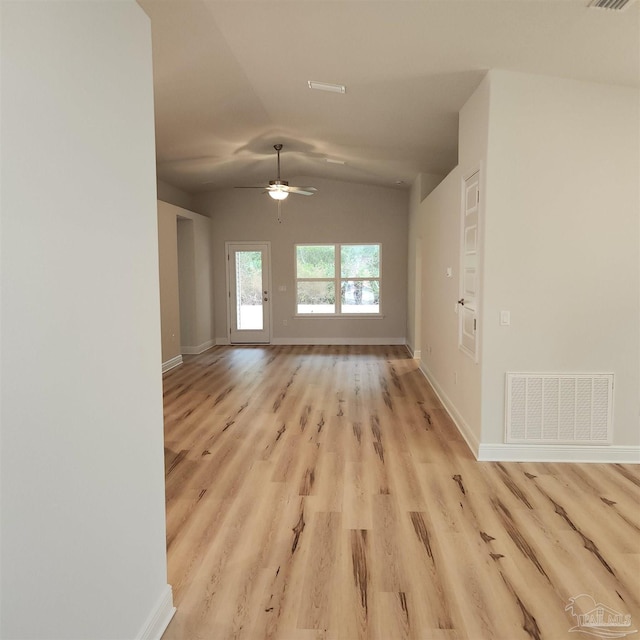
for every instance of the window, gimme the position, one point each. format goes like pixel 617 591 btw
pixel 353 270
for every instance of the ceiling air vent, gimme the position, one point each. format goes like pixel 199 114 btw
pixel 615 5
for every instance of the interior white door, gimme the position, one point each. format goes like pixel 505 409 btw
pixel 469 269
pixel 249 294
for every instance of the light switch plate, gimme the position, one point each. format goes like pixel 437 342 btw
pixel 505 318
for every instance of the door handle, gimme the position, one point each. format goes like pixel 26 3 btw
pixel 266 299
pixel 461 301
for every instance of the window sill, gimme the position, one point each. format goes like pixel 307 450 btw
pixel 342 316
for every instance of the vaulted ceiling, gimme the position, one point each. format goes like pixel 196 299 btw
pixel 230 79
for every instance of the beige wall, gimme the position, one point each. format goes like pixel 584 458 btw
pixel 168 267
pixel 82 537
pixel 420 189
pixel 435 229
pixel 414 269
pixel 338 212
pixel 186 281
pixel 168 193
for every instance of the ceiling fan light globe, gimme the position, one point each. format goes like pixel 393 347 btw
pixel 278 194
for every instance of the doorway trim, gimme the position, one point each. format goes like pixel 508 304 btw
pixel 228 249
pixel 475 172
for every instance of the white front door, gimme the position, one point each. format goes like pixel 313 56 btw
pixel 469 267
pixel 249 293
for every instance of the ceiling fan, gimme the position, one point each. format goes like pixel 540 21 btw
pixel 279 189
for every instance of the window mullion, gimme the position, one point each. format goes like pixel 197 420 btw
pixel 338 281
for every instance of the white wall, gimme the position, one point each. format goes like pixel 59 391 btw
pixel 560 201
pixel 82 482
pixel 338 212
pixel 562 218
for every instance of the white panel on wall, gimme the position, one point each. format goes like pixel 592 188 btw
pixel 559 407
pixel 469 266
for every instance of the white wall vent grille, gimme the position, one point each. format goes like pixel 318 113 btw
pixel 615 5
pixel 559 408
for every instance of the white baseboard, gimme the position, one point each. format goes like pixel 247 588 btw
pixel 338 341
pixel 170 364
pixel 201 348
pixel 532 452
pixel 558 453
pixel 327 341
pixel 159 618
pixel 462 426
pixel 416 354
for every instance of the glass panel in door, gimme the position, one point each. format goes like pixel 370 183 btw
pixel 249 308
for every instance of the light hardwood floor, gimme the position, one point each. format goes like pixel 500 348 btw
pixel 323 492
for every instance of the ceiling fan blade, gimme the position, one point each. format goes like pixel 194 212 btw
pixel 282 185
pixel 302 191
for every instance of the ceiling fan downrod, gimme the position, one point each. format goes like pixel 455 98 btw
pixel 278 148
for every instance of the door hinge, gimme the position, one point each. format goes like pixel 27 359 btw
pixel 478 196
pixel 474 324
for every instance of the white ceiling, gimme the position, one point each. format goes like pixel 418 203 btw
pixel 231 78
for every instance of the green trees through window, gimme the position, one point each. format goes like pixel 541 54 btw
pixel 353 270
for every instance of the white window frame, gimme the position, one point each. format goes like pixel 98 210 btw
pixel 337 279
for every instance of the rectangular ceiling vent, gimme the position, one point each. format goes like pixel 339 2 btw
pixel 614 5
pixel 545 408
